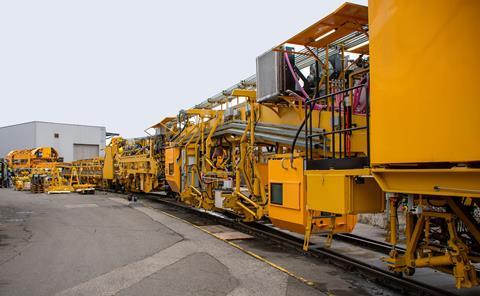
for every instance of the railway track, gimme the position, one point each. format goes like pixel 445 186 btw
pixel 373 273
pixel 371 244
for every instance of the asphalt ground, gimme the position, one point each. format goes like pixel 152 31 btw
pixel 70 244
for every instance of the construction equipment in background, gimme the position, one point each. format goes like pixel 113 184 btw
pixel 3 174
pixel 21 181
pixel 29 158
pixel 134 165
pixel 86 171
pixel 39 180
pixel 65 178
pixel 22 162
pixel 58 182
pixel 41 170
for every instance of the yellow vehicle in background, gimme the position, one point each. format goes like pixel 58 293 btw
pixel 134 165
pixel 23 161
pixel 29 158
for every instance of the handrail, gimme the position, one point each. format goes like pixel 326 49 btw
pixel 309 113
pixel 337 131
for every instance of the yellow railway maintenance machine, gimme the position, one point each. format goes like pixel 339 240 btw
pixel 89 171
pixel 324 180
pixel 217 157
pixel 23 161
pixel 241 151
pixel 365 106
pixel 404 133
pixel 28 158
pixel 425 144
pixel 134 165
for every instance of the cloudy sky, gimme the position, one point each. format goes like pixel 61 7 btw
pixel 128 64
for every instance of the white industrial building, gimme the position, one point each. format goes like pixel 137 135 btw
pixel 72 141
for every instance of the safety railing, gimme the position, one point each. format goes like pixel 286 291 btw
pixel 341 128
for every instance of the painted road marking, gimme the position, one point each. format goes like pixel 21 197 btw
pixel 81 206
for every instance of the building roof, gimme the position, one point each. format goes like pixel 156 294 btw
pixel 48 122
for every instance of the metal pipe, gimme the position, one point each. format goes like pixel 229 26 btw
pixel 332 148
pixel 393 221
pixel 340 131
pixel 434 261
pixel 368 124
pixel 246 209
pixel 196 191
pixel 305 104
pixel 247 199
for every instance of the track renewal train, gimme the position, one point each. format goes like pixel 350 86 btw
pixel 368 109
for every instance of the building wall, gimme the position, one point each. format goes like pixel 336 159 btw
pixel 35 134
pixel 19 136
pixel 68 136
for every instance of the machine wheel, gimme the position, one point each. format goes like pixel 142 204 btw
pixel 409 271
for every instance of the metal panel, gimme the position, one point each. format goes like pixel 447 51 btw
pixel 269 78
pixel 424 96
pixel 340 19
pixel 291 213
pixel 85 151
pixel 343 192
pixel 328 193
pixel 172 174
pixel 447 182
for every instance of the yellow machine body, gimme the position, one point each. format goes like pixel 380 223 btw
pixel 424 129
pixel 286 183
pixel 29 158
pixel 89 171
pixel 295 195
pixel 133 165
pixel 172 168
pixel 107 169
pixel 18 159
pixel 424 98
pixel 23 161
pixel 345 192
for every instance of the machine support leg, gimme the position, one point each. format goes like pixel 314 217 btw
pixel 328 242
pixel 393 220
pixel 308 231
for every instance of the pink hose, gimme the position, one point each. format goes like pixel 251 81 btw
pixel 357 96
pixel 306 97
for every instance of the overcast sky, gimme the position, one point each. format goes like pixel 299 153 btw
pixel 127 64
